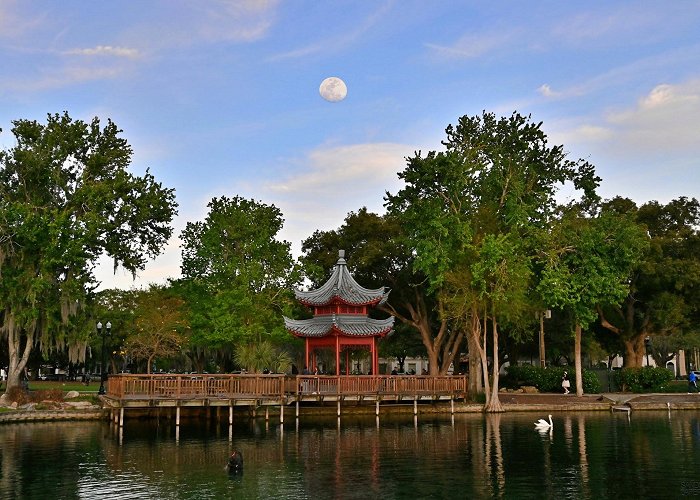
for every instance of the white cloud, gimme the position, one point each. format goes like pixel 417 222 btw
pixel 60 77
pixel 663 120
pixel 666 119
pixel 105 50
pixel 338 180
pixel 646 151
pixel 473 45
pixel 346 168
pixel 546 90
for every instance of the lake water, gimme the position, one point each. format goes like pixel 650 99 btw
pixel 586 455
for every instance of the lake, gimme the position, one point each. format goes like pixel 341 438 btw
pixel 586 455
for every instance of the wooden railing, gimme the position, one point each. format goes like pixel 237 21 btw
pixel 239 386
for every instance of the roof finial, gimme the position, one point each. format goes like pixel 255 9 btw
pixel 341 254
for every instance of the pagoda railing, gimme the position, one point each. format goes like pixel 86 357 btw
pixel 238 386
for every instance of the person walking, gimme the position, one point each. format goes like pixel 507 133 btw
pixel 565 383
pixel 692 382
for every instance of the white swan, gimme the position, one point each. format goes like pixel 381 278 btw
pixel 543 424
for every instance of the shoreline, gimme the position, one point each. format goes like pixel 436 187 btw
pixel 511 402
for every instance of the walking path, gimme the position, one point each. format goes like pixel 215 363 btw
pixel 605 401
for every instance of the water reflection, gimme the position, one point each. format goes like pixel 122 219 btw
pixel 585 455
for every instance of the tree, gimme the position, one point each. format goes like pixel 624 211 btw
pixel 66 198
pixel 377 258
pixel 119 308
pixel 237 277
pixel 160 326
pixel 260 356
pixel 663 291
pixel 489 195
pixel 587 263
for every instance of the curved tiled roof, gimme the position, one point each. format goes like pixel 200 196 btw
pixel 342 286
pixel 350 324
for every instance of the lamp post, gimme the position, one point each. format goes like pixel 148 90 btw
pixel 107 329
pixel 544 314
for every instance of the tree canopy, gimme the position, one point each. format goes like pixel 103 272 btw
pixel 237 278
pixel 66 198
pixel 472 216
pixel 663 290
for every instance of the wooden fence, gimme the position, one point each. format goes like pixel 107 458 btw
pixel 280 387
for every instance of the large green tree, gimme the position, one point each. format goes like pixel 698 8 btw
pixel 377 258
pixel 486 198
pixel 237 277
pixel 66 198
pixel 664 288
pixel 587 262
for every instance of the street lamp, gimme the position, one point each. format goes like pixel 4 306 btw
pixel 547 313
pixel 108 327
pixel 647 347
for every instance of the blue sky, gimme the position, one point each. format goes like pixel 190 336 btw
pixel 222 97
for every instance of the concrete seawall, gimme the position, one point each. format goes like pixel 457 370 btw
pixel 51 415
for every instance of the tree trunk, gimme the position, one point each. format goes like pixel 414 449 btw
pixel 634 351
pixel 18 356
pixel 577 361
pixel 433 363
pixel 494 403
pixel 419 318
pixel 475 373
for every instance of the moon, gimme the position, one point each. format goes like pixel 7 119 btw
pixel 333 89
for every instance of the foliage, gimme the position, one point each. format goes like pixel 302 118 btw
pixel 160 326
pixel 66 198
pixel 237 277
pixel 376 258
pixel 487 198
pixel 546 379
pixel 647 379
pixel 260 356
pixel 663 291
pixel 586 263
pixel 119 308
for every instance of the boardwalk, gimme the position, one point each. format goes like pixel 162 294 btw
pixel 176 391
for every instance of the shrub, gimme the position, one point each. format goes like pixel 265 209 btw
pixel 548 379
pixel 646 379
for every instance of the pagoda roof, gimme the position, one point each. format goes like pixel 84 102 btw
pixel 341 286
pixel 352 325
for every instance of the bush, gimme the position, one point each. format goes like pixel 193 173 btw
pixel 548 379
pixel 647 379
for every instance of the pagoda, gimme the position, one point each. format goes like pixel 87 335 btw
pixel 340 318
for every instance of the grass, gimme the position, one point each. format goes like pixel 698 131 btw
pixel 41 385
pixel 46 385
pixel 675 387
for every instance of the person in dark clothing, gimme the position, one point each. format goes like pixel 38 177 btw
pixel 692 382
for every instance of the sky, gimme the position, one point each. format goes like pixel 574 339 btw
pixel 221 98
